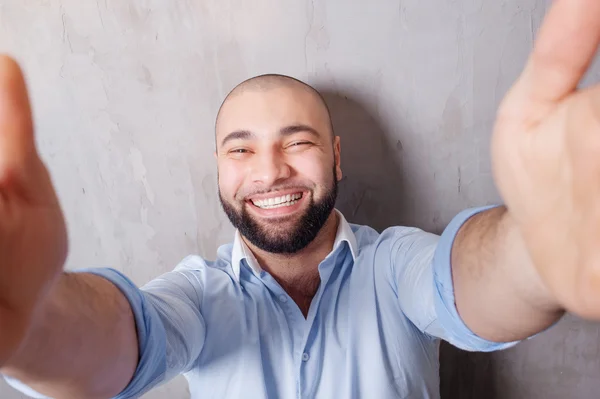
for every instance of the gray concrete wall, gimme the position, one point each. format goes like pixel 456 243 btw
pixel 125 95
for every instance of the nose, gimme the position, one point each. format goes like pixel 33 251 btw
pixel 269 168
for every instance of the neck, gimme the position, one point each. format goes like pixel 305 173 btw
pixel 298 273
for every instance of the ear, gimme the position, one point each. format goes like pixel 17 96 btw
pixel 337 154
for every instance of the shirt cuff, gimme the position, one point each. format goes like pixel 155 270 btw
pixel 458 334
pixel 151 335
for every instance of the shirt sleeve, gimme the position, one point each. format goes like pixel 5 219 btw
pixel 170 328
pixel 423 274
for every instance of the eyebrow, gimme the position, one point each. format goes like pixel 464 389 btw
pixel 238 135
pixel 289 130
pixel 286 131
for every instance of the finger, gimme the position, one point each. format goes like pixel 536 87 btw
pixel 564 49
pixel 16 127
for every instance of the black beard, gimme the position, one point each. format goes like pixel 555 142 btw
pixel 285 240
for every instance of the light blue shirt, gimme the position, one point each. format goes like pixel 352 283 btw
pixel 372 330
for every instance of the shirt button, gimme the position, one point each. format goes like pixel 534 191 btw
pixel 305 357
pixel 282 298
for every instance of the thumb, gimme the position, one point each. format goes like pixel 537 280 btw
pixel 16 127
pixel 21 170
pixel 565 47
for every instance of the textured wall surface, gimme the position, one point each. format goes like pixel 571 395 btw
pixel 125 95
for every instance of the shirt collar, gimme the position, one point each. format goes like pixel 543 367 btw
pixel 241 251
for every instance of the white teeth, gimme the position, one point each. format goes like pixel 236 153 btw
pixel 276 202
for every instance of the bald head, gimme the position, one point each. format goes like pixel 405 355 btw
pixel 271 81
pixel 266 83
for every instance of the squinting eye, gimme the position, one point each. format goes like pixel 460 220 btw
pixel 299 143
pixel 239 151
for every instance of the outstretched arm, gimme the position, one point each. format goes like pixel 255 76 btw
pixel 515 269
pixel 66 335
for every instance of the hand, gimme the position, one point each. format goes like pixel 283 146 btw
pixel 546 156
pixel 33 240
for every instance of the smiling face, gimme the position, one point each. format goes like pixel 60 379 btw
pixel 278 164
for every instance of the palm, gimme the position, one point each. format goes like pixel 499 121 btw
pixel 546 156
pixel 32 228
pixel 32 247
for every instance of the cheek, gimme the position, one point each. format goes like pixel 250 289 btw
pixel 317 170
pixel 230 180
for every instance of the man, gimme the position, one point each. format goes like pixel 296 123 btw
pixel 302 304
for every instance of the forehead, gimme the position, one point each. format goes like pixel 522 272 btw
pixel 266 111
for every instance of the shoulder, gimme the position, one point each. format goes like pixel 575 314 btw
pixel 392 238
pixel 196 270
